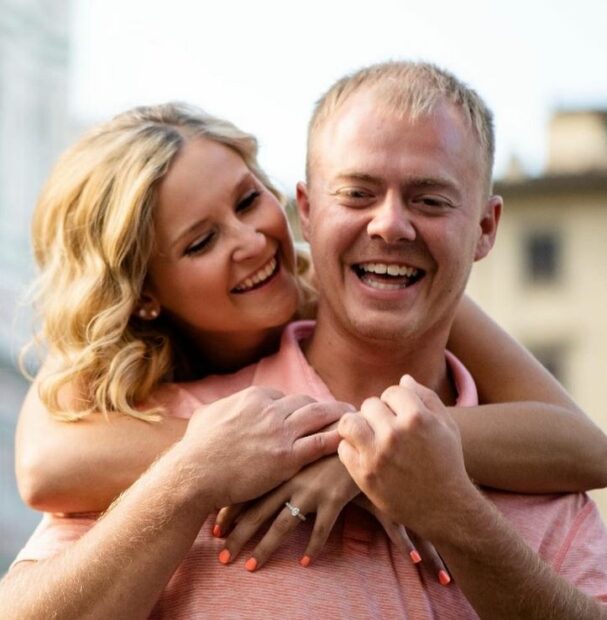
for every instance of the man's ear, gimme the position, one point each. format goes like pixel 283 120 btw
pixel 147 307
pixel 303 208
pixel 492 212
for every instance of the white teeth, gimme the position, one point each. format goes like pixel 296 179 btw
pixel 383 286
pixel 391 270
pixel 260 276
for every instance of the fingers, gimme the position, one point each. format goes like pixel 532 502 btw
pixel 284 523
pixel 292 403
pixel 354 429
pixel 432 560
pixel 395 532
pixel 426 395
pixel 249 523
pixel 323 525
pixel 404 402
pixel 226 518
pixel 316 415
pixel 313 447
pixel 309 419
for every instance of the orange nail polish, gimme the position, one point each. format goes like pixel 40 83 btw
pixel 224 556
pixel 305 561
pixel 416 558
pixel 443 577
pixel 216 531
pixel 251 564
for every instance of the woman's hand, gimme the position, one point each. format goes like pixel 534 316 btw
pixel 417 549
pixel 324 488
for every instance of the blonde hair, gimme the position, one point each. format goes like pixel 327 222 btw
pixel 412 88
pixel 92 238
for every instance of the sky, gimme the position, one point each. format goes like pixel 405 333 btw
pixel 263 64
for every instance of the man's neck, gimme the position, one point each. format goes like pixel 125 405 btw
pixel 354 368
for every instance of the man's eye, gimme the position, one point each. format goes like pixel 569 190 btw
pixel 248 201
pixel 353 194
pixel 199 246
pixel 432 201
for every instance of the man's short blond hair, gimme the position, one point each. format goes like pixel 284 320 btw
pixel 411 88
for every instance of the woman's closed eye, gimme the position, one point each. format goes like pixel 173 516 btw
pixel 248 201
pixel 200 245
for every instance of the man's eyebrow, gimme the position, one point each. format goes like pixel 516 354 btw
pixel 353 175
pixel 434 181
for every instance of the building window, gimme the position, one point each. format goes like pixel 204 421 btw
pixel 543 257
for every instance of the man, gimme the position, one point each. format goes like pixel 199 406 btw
pixel 396 209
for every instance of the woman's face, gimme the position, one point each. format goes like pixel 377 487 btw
pixel 223 264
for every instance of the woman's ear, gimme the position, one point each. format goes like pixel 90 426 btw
pixel 147 308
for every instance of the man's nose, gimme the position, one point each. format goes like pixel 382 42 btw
pixel 249 242
pixel 391 221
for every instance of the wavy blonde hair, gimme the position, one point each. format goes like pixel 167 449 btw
pixel 92 238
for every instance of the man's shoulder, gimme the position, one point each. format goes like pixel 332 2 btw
pixel 214 387
pixel 553 524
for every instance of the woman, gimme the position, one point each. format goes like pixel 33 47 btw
pixel 164 255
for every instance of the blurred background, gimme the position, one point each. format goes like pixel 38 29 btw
pixel 65 64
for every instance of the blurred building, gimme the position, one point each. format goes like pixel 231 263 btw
pixel 34 127
pixel 543 281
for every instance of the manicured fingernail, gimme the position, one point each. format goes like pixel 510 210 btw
pixel 305 561
pixel 224 556
pixel 216 531
pixel 416 558
pixel 443 577
pixel 251 564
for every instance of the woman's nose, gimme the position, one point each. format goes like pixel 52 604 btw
pixel 249 243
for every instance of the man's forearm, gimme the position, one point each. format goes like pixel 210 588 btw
pixel 120 567
pixel 500 575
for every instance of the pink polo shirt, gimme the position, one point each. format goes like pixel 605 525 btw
pixel 359 574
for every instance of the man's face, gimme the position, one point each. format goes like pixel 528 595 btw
pixel 395 213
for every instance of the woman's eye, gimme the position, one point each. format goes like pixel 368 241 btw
pixel 198 246
pixel 248 201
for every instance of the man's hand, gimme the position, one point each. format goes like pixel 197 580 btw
pixel 246 444
pixel 404 452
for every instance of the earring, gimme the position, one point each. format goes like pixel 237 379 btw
pixel 148 314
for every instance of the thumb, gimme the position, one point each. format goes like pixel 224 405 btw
pixel 426 395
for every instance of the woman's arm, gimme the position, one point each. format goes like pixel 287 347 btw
pixel 532 437
pixel 83 466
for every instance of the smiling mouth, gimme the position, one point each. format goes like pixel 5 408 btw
pixel 387 276
pixel 259 278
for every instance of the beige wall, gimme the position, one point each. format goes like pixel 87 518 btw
pixel 569 313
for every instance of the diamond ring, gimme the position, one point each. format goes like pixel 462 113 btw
pixel 295 511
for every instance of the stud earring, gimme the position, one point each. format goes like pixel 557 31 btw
pixel 148 314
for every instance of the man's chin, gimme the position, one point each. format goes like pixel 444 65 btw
pixel 382 328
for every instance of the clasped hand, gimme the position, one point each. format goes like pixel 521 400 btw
pixel 323 488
